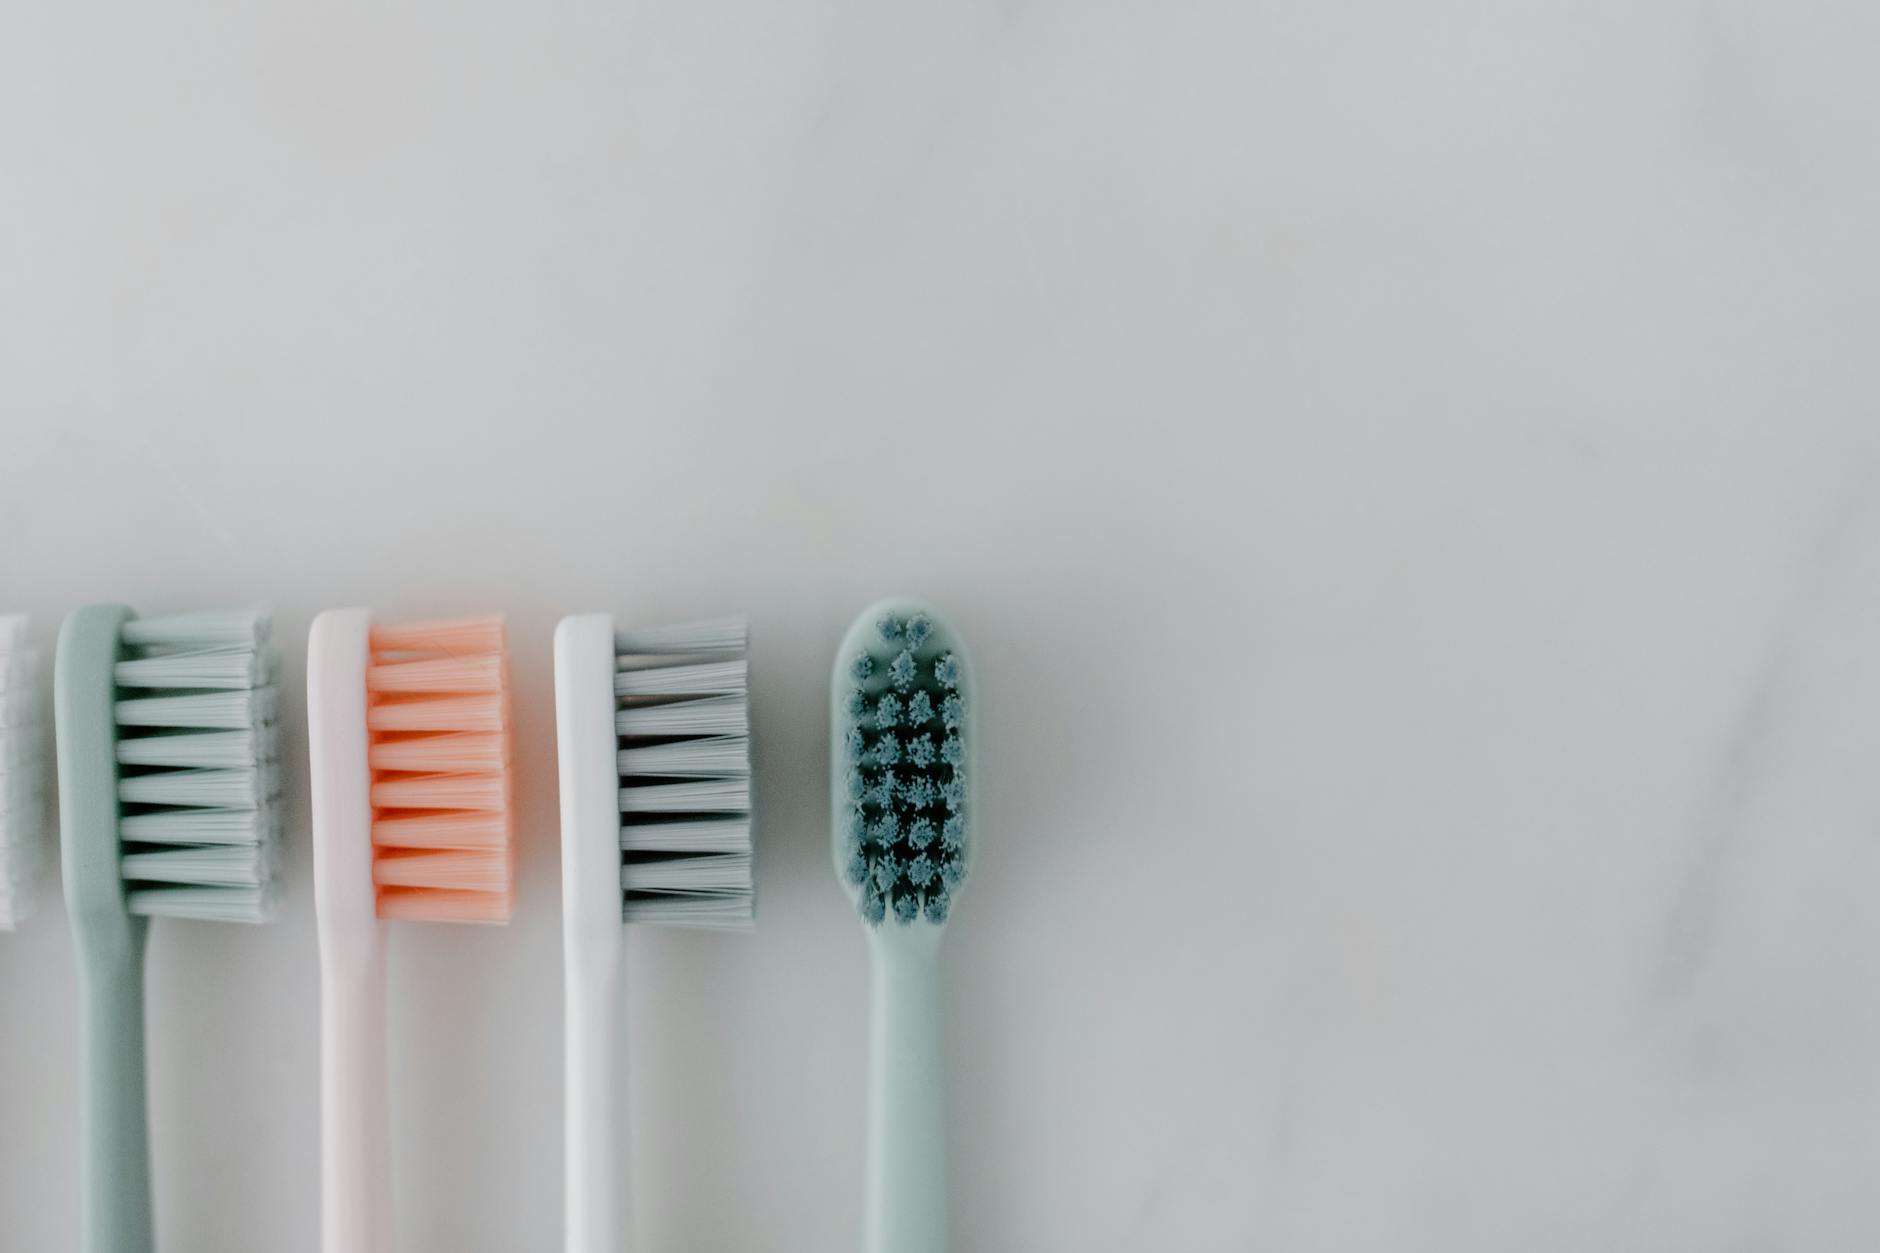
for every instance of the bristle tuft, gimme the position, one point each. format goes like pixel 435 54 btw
pixel 429 904
pixel 442 793
pixel 210 629
pixel 714 635
pixel 198 766
pixel 446 637
pixel 683 724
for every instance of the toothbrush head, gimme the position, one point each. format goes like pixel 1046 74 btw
pixel 438 749
pixel 901 764
pixel 197 765
pixel 682 723
pixel 22 816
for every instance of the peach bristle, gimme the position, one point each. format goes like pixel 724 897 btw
pixel 486 792
pixel 453 637
pixel 445 830
pixel 447 869
pixel 431 754
pixel 437 719
pixel 438 905
pixel 438 674
pixel 451 713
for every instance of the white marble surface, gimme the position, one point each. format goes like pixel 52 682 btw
pixel 1411 475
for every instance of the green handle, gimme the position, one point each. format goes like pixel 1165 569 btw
pixel 114 1166
pixel 905 1199
pixel 114 1185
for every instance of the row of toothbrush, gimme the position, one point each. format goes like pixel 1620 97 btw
pixel 169 765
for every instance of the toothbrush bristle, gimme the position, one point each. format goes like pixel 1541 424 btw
pixel 902 731
pixel 437 720
pixel 683 731
pixel 198 766
pixel 22 819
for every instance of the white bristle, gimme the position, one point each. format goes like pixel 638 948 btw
pixel 714 715
pixel 248 787
pixel 210 904
pixel 690 835
pixel 714 635
pixel 23 825
pixel 685 774
pixel 203 710
pixel 221 668
pixel 213 628
pixel 691 875
pixel 711 757
pixel 199 769
pixel 203 865
pixel 708 678
pixel 703 796
pixel 726 911
pixel 201 826
pixel 204 750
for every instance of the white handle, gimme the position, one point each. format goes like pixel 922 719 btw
pixel 905 1199
pixel 597 1196
pixel 598 1215
pixel 355 1135
pixel 355 1148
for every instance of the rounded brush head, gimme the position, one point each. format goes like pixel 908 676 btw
pixel 901 764
pixel 438 747
pixel 197 765
pixel 22 815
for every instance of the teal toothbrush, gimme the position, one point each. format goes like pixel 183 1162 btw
pixel 901 786
pixel 168 807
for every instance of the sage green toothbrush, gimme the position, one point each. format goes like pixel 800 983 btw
pixel 22 745
pixel 168 807
pixel 901 788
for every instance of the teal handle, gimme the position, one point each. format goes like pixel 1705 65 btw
pixel 114 1148
pixel 114 1170
pixel 905 1201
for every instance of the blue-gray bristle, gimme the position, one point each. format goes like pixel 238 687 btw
pixel 904 741
pixel 683 723
pixel 22 814
pixel 198 766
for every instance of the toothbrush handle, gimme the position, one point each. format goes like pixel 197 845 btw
pixel 597 1216
pixel 597 1196
pixel 114 1176
pixel 114 1124
pixel 355 1137
pixel 905 1205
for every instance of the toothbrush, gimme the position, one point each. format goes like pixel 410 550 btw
pixel 169 801
pixel 901 785
pixel 408 732
pixel 653 736
pixel 22 817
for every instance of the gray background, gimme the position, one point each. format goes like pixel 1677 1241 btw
pixel 1409 473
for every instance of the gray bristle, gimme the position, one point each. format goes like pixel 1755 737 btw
pixel 708 678
pixel 710 716
pixel 23 824
pixel 708 757
pixel 199 766
pixel 715 635
pixel 683 722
